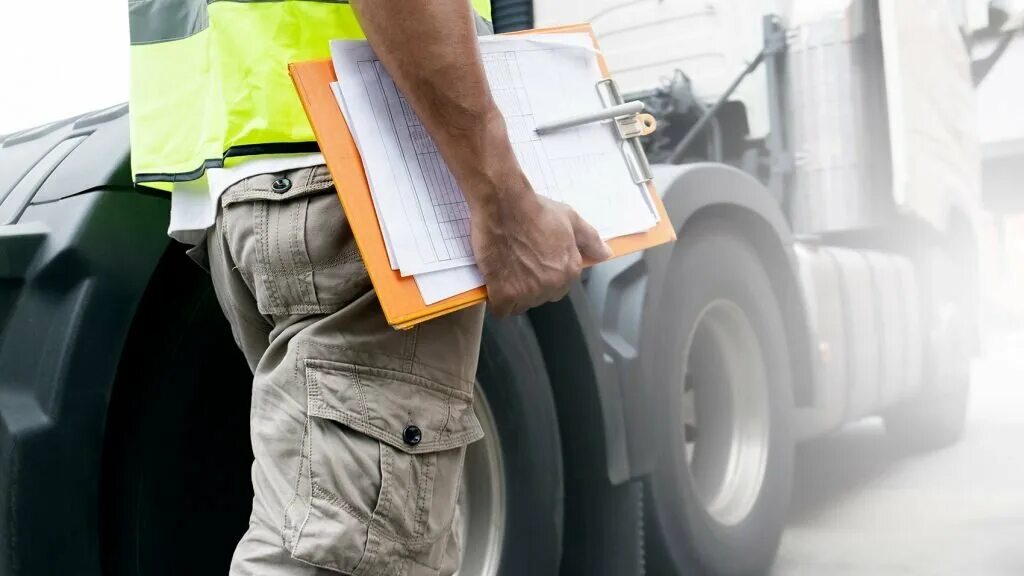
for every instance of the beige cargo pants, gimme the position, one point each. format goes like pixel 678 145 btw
pixel 359 431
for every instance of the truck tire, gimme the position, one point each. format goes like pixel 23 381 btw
pixel 936 417
pixel 176 492
pixel 515 385
pixel 603 533
pixel 719 496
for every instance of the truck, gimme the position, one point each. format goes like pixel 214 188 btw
pixel 820 166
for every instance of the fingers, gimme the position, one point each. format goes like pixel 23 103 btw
pixel 509 299
pixel 561 294
pixel 504 305
pixel 551 263
pixel 500 303
pixel 588 240
pixel 518 309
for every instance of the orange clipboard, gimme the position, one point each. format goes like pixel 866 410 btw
pixel 399 296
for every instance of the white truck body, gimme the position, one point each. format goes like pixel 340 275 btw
pixel 934 157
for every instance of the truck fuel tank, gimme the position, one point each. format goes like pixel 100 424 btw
pixel 865 310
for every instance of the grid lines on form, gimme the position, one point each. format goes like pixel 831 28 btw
pixel 446 199
pixel 448 226
pixel 509 92
pixel 435 187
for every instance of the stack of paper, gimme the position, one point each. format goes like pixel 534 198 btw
pixel 423 215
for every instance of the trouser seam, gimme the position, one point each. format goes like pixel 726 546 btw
pixel 413 337
pixel 260 223
pixel 403 358
pixel 339 259
pixel 365 412
pixel 302 453
pixel 428 463
pixel 304 255
pixel 275 232
pixel 307 432
pixel 383 505
pixel 293 232
pixel 447 415
pixel 332 498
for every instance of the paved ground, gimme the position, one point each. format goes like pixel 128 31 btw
pixel 861 508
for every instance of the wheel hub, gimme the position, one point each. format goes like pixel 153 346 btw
pixel 725 412
pixel 480 511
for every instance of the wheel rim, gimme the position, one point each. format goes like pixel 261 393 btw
pixel 480 512
pixel 725 412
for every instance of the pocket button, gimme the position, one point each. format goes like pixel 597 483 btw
pixel 412 435
pixel 281 185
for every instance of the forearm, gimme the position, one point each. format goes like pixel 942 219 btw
pixel 528 248
pixel 430 49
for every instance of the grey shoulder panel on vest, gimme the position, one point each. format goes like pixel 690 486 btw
pixel 483 25
pixel 153 21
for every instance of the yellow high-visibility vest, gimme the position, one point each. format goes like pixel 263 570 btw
pixel 209 79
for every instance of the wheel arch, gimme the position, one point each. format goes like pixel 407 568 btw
pixel 71 314
pixel 692 193
pixel 80 244
pixel 592 340
pixel 776 252
pixel 584 386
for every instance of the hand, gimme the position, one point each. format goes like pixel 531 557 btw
pixel 530 249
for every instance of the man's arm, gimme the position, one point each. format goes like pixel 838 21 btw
pixel 528 248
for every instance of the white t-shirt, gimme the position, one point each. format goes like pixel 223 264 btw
pixel 194 203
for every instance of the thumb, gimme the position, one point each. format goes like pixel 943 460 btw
pixel 588 240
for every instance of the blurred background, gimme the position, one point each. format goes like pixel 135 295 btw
pixel 865 506
pixel 848 180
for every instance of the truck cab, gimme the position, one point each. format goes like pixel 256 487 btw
pixel 822 174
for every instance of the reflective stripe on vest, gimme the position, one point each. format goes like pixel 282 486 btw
pixel 209 79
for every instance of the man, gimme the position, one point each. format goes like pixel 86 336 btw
pixel 358 431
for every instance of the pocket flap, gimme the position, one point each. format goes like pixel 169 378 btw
pixel 410 413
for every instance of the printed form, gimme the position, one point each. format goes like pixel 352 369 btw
pixel 423 215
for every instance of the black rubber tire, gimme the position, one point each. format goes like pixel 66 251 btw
pixel 512 375
pixel 713 262
pixel 176 493
pixel 603 533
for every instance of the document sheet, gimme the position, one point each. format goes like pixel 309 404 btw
pixel 421 210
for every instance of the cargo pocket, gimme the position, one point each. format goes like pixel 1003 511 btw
pixel 293 247
pixel 381 470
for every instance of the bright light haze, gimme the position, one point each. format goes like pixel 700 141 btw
pixel 60 58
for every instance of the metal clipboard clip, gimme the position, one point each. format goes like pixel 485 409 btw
pixel 630 128
pixel 630 123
